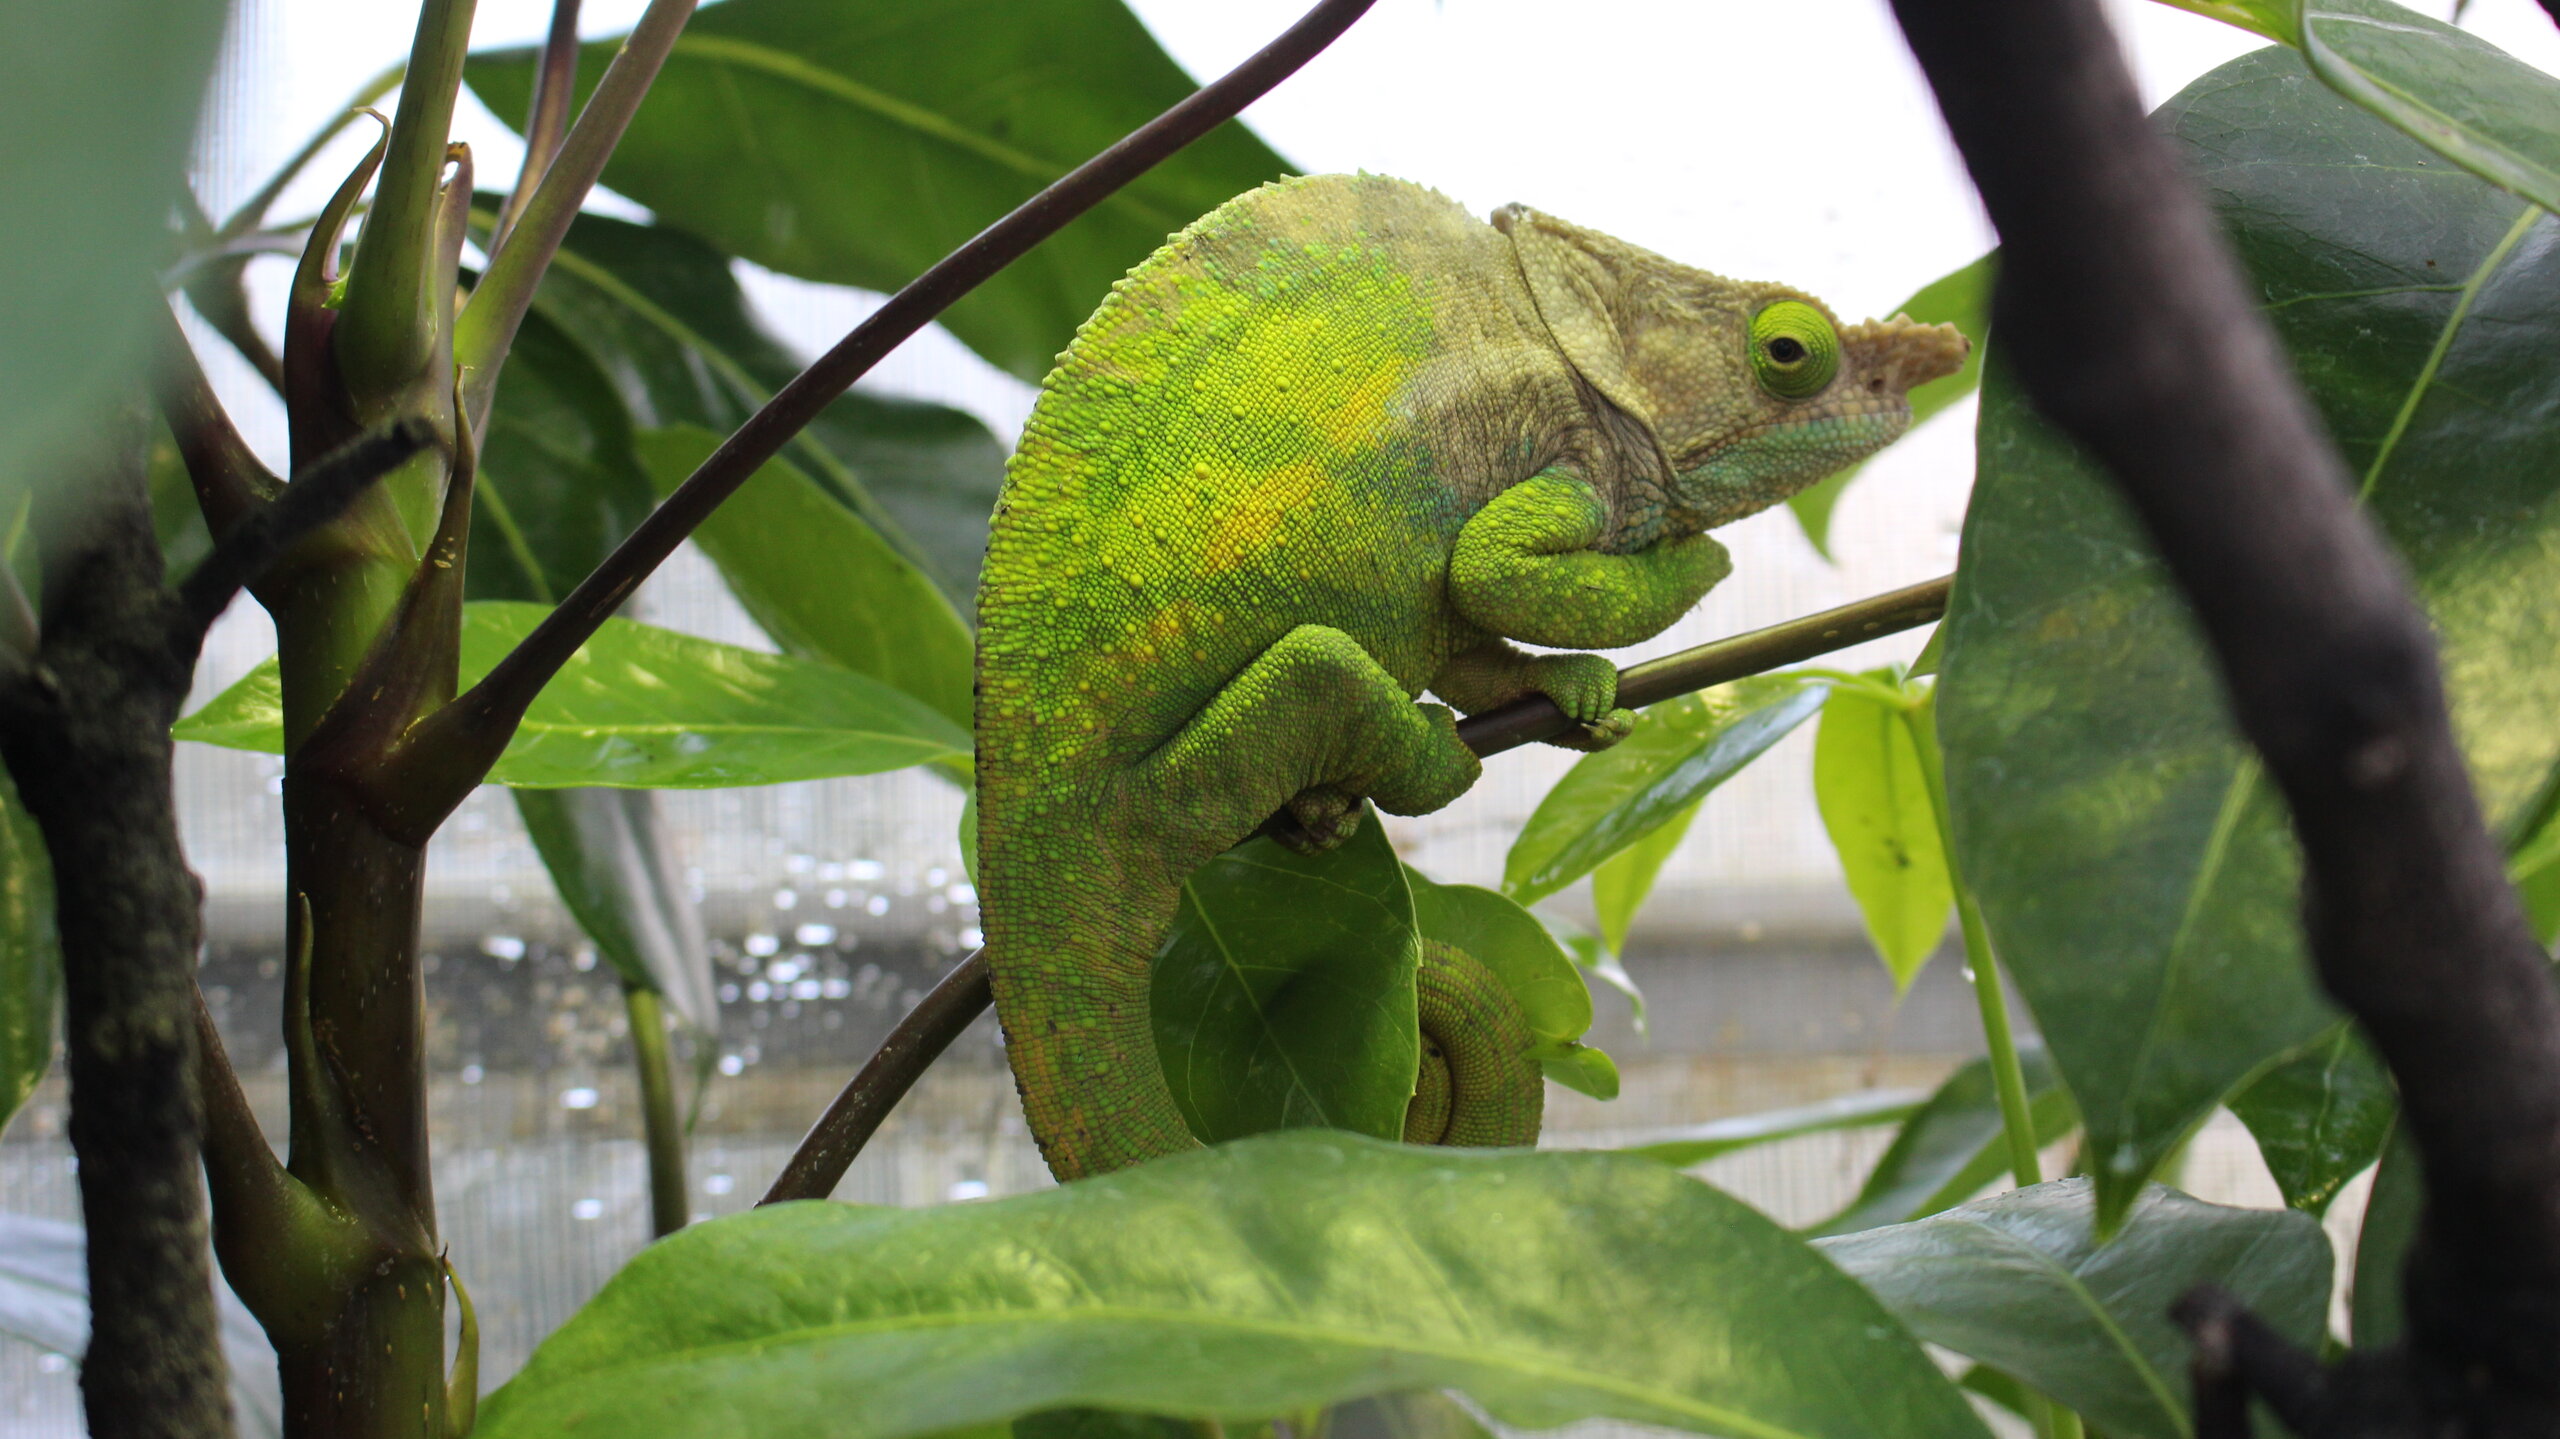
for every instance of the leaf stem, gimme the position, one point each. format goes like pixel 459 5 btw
pixel 555 84
pixel 387 329
pixel 659 1127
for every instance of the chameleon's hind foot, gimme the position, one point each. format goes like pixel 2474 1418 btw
pixel 1317 819
pixel 1598 735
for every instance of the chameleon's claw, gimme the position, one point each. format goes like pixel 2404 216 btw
pixel 1599 734
pixel 1316 820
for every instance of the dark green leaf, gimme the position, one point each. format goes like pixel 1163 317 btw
pixel 2320 1118
pixel 1875 806
pixel 820 581
pixel 1622 883
pixel 1236 1283
pixel 1961 298
pixel 1681 749
pixel 612 867
pixel 30 962
pixel 666 320
pixel 1283 996
pixel 560 483
pixel 645 708
pixel 1718 1137
pixel 2450 90
pixel 98 100
pixel 2002 1390
pixel 1953 1145
pixel 858 143
pixel 2136 869
pixel 2382 1245
pixel 2019 1283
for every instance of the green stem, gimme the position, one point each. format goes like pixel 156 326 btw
pixel 387 329
pixel 2009 1077
pixel 664 1133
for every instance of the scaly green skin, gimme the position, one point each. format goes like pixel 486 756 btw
pixel 1332 445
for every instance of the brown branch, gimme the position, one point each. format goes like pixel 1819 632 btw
pixel 2128 323
pixel 555 84
pixel 85 733
pixel 229 479
pixel 831 1145
pixel 449 752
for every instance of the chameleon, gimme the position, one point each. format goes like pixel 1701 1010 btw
pixel 1336 443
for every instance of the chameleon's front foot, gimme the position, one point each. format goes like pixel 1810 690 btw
pixel 1316 820
pixel 1598 734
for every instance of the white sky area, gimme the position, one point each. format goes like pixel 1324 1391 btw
pixel 1792 142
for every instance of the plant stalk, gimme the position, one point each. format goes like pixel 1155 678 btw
pixel 661 1129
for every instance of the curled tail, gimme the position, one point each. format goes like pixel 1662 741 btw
pixel 1477 1087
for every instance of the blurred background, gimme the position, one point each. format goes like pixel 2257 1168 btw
pixel 1790 142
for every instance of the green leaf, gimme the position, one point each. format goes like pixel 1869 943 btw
pixel 1681 749
pixel 820 581
pixel 2136 870
pixel 1624 880
pixel 1875 806
pixel 2274 19
pixel 1961 298
pixel 98 101
pixel 1953 1145
pixel 662 314
pixel 2448 89
pixel 1594 959
pixel 2019 1283
pixel 560 483
pixel 2320 1117
pixel 859 143
pixel 30 960
pixel 1510 942
pixel 1237 1283
pixel 1581 1068
pixel 1719 1137
pixel 1283 995
pixel 644 708
pixel 610 862
pixel 2382 1245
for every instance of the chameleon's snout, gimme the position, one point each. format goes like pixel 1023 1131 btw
pixel 1897 354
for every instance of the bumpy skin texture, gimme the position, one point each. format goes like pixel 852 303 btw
pixel 1332 445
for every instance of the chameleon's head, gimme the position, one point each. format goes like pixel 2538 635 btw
pixel 1750 391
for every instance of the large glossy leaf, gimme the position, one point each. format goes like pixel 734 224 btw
pixel 609 859
pixel 98 99
pixel 2135 867
pixel 1953 1145
pixel 858 143
pixel 30 964
pixel 1961 298
pixel 1681 749
pixel 660 312
pixel 1875 806
pixel 1283 996
pixel 2019 1283
pixel 44 1300
pixel 646 708
pixel 820 581
pixel 1518 950
pixel 1238 1283
pixel 2320 1117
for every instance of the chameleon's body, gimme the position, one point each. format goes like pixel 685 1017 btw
pixel 1329 447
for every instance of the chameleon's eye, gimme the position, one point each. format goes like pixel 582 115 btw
pixel 1794 350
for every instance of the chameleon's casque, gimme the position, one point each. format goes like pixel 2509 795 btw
pixel 1329 447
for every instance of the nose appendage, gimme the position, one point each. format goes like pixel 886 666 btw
pixel 1894 355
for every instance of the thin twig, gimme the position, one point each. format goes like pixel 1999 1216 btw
pixel 317 496
pixel 555 84
pixel 919 1039
pixel 230 481
pixel 450 751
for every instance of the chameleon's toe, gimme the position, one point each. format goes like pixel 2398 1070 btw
pixel 1316 820
pixel 1585 687
pixel 1599 734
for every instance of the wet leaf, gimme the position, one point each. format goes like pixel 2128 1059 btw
pixel 642 707
pixel 2320 1118
pixel 1953 1145
pixel 2019 1283
pixel 1237 1283
pixel 2136 869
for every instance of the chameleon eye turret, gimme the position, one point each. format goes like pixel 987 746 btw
pixel 1794 351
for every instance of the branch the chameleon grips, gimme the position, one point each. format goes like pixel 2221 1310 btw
pixel 317 496
pixel 832 1144
pixel 450 751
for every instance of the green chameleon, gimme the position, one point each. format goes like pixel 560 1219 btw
pixel 1333 444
